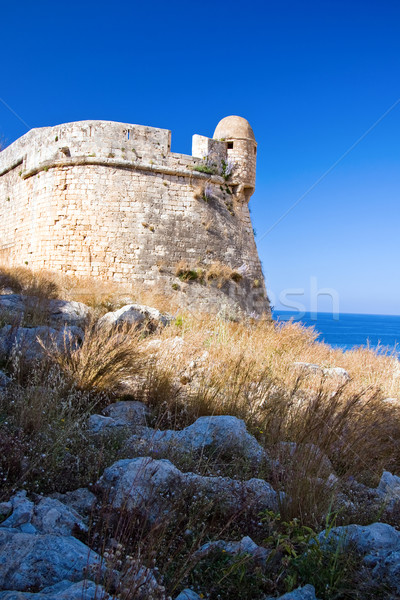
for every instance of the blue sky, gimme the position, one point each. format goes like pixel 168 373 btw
pixel 311 77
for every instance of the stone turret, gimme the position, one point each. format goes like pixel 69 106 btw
pixel 241 146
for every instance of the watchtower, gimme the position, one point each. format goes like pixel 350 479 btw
pixel 241 146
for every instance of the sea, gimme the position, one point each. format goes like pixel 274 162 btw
pixel 349 331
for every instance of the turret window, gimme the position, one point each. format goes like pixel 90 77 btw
pixel 229 145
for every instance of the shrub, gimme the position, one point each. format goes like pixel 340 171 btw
pixel 107 359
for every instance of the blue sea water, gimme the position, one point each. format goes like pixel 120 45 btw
pixel 347 331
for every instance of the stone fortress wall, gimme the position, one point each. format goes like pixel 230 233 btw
pixel 110 200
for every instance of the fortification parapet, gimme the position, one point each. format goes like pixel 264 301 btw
pixel 111 200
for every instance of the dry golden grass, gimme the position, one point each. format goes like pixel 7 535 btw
pixel 244 369
pixel 100 295
pixel 206 273
pixel 106 360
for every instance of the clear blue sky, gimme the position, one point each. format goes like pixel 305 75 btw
pixel 310 76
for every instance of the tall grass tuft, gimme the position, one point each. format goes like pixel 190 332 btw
pixel 107 359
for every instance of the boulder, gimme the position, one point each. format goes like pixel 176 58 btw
pixel 186 594
pixel 154 486
pixel 379 544
pixel 21 513
pixel 57 312
pixel 138 315
pixel 130 411
pixel 140 583
pixel 244 546
pixel 26 339
pixel 35 560
pixel 392 401
pixel 301 593
pixel 65 590
pixel 81 500
pixel 48 515
pixel 364 538
pixel 337 372
pixel 65 312
pixel 121 415
pixel 310 367
pixel 224 435
pixel 52 516
pixel 12 304
pixel 389 486
pixel 99 424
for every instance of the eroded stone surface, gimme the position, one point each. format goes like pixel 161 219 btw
pixel 65 590
pixel 244 546
pixel 301 593
pixel 154 486
pixel 220 434
pixel 35 560
pixel 136 314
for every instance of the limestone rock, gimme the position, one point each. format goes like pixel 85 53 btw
pixel 244 546
pixel 68 312
pixel 65 590
pixel 21 511
pixel 51 516
pixel 153 486
pixel 389 486
pixel 186 594
pixel 99 424
pixel 129 411
pixel 337 372
pixel 378 543
pixel 13 304
pixel 142 584
pixel 310 367
pixel 392 401
pixel 48 515
pixel 365 538
pixel 35 560
pixel 301 593
pixel 81 500
pixel 57 312
pixel 26 339
pixel 136 314
pixel 219 434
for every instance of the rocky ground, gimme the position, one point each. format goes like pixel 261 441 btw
pixel 182 508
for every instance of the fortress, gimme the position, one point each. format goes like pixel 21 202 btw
pixel 110 200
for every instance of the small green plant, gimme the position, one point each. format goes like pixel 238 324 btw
pixel 305 557
pixel 223 576
pixel 93 154
pixel 189 275
pixel 8 198
pixel 175 286
pixel 205 169
pixel 56 138
pixel 45 169
pixel 179 321
pixel 111 155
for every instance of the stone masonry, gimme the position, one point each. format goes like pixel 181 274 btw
pixel 110 200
